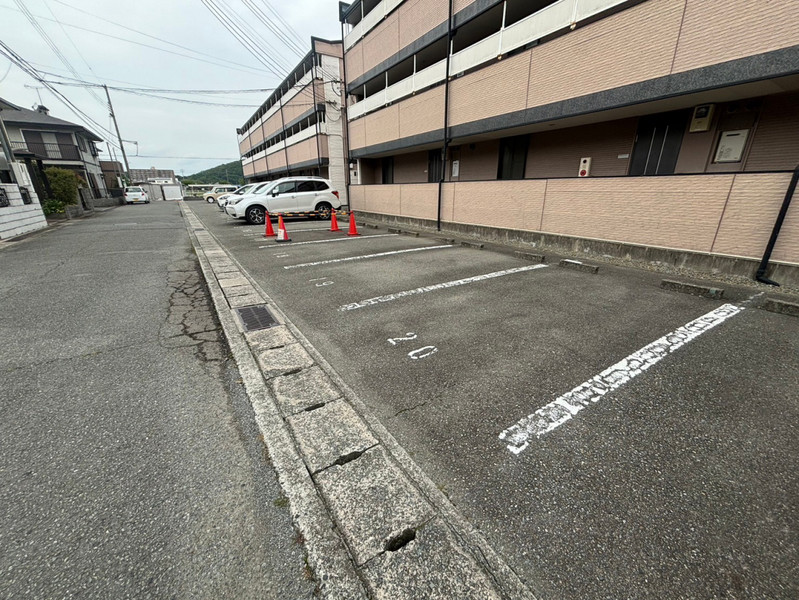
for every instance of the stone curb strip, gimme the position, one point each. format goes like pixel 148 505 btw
pixel 689 288
pixel 568 263
pixel 374 525
pixel 782 307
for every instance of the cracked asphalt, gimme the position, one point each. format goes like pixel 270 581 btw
pixel 131 465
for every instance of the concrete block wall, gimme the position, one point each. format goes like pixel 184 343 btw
pixel 20 218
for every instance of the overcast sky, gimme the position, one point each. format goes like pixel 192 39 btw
pixel 87 35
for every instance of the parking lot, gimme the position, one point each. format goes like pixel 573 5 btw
pixel 611 439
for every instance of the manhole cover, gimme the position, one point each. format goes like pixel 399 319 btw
pixel 256 317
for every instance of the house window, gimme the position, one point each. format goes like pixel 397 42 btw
pixel 387 165
pixel 513 157
pixel 81 143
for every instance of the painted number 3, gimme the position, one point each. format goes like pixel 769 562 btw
pixel 414 354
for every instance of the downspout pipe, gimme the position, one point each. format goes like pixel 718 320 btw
pixel 446 121
pixel 775 233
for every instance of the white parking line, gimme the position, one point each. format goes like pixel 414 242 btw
pixel 438 286
pixel 346 239
pixel 363 256
pixel 561 410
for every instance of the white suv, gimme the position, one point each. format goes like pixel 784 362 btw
pixel 288 195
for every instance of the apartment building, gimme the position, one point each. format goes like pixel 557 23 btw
pixel 299 129
pixel 659 129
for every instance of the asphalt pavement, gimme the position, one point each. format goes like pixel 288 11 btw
pixel 131 465
pixel 609 438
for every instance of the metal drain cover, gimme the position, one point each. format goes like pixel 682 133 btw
pixel 256 317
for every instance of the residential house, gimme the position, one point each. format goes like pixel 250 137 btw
pixel 617 126
pixel 299 129
pixel 112 173
pixel 20 207
pixel 54 142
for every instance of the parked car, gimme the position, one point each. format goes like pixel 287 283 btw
pixel 312 195
pixel 135 194
pixel 245 189
pixel 218 190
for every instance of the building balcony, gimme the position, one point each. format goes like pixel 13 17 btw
pixel 44 151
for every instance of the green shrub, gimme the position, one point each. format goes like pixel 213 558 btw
pixel 64 185
pixel 52 207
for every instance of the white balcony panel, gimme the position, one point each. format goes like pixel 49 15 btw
pixel 370 21
pixel 589 8
pixel 356 110
pixel 399 90
pixel 483 51
pixel 549 20
pixel 429 76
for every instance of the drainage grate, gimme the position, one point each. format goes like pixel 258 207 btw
pixel 199 229
pixel 256 317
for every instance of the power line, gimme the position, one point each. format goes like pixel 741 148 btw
pixel 145 93
pixel 43 34
pixel 251 70
pixel 129 28
pixel 26 67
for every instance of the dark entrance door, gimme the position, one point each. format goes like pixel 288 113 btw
pixel 658 142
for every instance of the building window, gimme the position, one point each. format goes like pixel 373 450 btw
pixel 513 157
pixel 81 143
pixel 387 166
pixel 435 167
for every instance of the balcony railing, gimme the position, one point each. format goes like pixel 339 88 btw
pixel 49 151
pixel 552 18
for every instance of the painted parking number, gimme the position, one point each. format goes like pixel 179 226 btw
pixel 417 354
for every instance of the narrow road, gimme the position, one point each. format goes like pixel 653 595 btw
pixel 130 462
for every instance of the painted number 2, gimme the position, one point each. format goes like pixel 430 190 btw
pixel 414 354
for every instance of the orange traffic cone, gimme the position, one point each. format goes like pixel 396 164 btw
pixel 353 228
pixel 282 234
pixel 333 221
pixel 269 231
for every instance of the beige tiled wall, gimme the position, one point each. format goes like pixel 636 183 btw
pixel 643 42
pixel 749 217
pixel 730 214
pixel 249 169
pixel 415 115
pixel 715 32
pixel 302 151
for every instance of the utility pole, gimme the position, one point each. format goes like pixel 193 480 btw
pixel 119 137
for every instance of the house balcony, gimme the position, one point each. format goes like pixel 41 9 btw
pixel 44 151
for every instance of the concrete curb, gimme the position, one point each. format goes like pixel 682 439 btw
pixel 781 306
pixel 535 258
pixel 375 526
pixel 576 265
pixel 690 288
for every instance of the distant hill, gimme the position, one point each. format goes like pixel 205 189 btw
pixel 228 173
